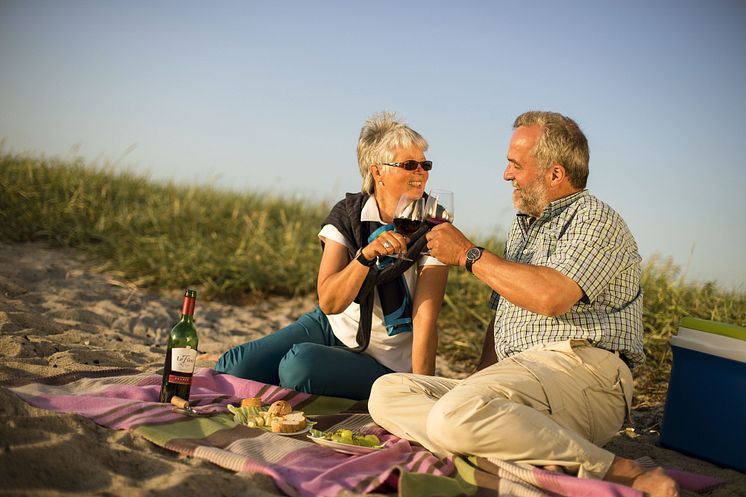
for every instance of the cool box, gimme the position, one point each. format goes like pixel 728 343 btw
pixel 705 412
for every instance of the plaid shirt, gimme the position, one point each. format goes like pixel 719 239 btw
pixel 587 241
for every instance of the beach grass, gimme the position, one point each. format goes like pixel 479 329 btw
pixel 164 235
pixel 237 247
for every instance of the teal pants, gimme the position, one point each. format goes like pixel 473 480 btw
pixel 307 357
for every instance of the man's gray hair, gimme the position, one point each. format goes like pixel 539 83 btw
pixel 379 138
pixel 561 142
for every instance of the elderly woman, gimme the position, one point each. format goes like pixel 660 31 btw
pixel 376 314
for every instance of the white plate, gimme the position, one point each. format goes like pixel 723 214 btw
pixel 344 448
pixel 256 410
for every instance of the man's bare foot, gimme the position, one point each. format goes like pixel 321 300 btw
pixel 652 482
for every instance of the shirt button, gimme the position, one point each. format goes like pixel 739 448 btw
pixel 525 251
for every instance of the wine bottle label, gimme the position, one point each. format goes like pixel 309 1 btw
pixel 182 360
pixel 179 380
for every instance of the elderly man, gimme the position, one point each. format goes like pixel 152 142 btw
pixel 554 382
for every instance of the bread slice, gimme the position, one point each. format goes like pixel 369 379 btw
pixel 295 421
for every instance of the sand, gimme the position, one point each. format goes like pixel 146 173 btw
pixel 59 312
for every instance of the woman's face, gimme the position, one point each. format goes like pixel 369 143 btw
pixel 397 181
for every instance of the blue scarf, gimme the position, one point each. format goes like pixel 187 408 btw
pixel 396 300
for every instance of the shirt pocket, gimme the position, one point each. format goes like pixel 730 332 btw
pixel 547 244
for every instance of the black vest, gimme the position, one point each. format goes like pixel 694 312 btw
pixel 345 216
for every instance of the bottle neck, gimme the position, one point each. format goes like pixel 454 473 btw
pixel 187 310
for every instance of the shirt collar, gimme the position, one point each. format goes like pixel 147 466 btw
pixel 553 208
pixel 370 212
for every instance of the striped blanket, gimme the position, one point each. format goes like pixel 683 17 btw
pixel 299 467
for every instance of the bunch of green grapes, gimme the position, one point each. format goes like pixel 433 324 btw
pixel 347 437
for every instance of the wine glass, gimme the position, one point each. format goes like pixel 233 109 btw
pixel 408 217
pixel 439 207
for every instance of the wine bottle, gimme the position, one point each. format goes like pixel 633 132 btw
pixel 181 353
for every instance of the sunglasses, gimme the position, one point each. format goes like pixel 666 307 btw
pixel 411 165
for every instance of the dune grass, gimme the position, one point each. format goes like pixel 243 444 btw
pixel 230 245
pixel 239 246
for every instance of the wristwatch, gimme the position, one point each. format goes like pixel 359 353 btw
pixel 362 260
pixel 472 256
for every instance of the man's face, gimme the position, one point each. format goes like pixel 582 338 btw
pixel 530 184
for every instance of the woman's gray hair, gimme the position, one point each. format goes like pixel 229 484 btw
pixel 561 142
pixel 379 138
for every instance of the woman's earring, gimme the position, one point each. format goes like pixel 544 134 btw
pixel 380 183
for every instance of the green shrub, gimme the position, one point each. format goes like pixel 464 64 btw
pixel 230 245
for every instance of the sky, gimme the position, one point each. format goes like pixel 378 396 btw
pixel 270 96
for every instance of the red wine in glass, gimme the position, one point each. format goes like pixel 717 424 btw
pixel 406 226
pixel 434 221
pixel 408 217
pixel 439 207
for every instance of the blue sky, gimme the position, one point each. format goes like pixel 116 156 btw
pixel 271 96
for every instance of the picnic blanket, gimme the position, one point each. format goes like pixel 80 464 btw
pixel 123 399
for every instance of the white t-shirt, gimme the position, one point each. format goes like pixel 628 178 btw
pixel 394 352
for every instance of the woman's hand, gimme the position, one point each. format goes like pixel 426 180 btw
pixel 387 243
pixel 340 279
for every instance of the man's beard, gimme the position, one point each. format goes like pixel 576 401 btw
pixel 533 198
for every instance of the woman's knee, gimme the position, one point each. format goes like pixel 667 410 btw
pixel 300 366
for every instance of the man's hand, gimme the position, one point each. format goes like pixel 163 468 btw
pixel 539 289
pixel 448 244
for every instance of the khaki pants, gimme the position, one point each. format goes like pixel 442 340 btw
pixel 551 404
